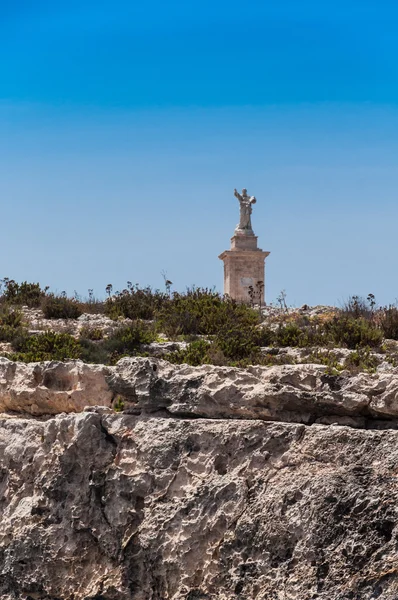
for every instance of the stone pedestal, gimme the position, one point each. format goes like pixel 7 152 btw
pixel 244 268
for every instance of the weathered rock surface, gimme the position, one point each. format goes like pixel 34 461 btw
pixel 52 387
pixel 289 393
pixel 110 507
pixel 37 323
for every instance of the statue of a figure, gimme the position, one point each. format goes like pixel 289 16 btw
pixel 245 201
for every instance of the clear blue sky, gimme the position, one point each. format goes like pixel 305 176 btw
pixel 125 127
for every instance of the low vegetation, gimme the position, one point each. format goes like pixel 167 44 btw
pixel 217 330
pixel 10 323
pixel 61 307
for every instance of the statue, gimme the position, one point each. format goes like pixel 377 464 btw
pixel 245 201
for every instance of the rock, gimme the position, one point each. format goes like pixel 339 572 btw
pixel 102 322
pixel 272 311
pixel 99 410
pixel 52 387
pixel 161 349
pixel 302 393
pixel 290 393
pixel 117 507
pixel 5 348
pixel 36 323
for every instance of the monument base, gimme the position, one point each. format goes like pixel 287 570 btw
pixel 244 270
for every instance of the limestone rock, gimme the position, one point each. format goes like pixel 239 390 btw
pixel 161 349
pixel 36 323
pixel 290 393
pixel 118 507
pixel 52 387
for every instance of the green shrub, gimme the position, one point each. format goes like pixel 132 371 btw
pixel 361 360
pixel 60 307
pixel 388 321
pixel 91 333
pixel 118 404
pixel 29 294
pixel 327 358
pixel 10 324
pixel 135 303
pixel 238 343
pixel 126 341
pixel 352 333
pixel 290 334
pixel 300 333
pixel 195 354
pixel 202 312
pixel 93 352
pixel 45 346
pixel 235 346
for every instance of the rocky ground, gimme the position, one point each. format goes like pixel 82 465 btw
pixel 272 315
pixel 153 481
pixel 214 482
pixel 116 507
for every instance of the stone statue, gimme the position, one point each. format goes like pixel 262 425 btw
pixel 245 201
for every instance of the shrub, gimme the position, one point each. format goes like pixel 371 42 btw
pixel 10 324
pixel 195 354
pixel 235 346
pixel 126 341
pixel 118 404
pixel 46 346
pixel 301 332
pixel 361 360
pixel 135 303
pixel 29 294
pixel 290 334
pixel 357 307
pixel 388 321
pixel 352 333
pixel 238 343
pixel 60 307
pixel 92 352
pixel 92 305
pixel 203 312
pixel 91 333
pixel 329 359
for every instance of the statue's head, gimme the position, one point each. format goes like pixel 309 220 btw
pixel 244 192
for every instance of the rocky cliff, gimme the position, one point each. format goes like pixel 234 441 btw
pixel 214 482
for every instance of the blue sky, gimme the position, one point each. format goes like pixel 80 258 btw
pixel 124 128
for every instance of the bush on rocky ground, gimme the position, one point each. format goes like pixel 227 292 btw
pixel 351 332
pixel 49 345
pixel 91 333
pixel 45 346
pixel 10 323
pixel 202 312
pixel 327 358
pixel 361 360
pixel 125 341
pixel 134 303
pixel 219 330
pixel 388 322
pixel 27 294
pixel 60 307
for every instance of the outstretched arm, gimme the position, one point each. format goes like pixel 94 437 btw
pixel 236 193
